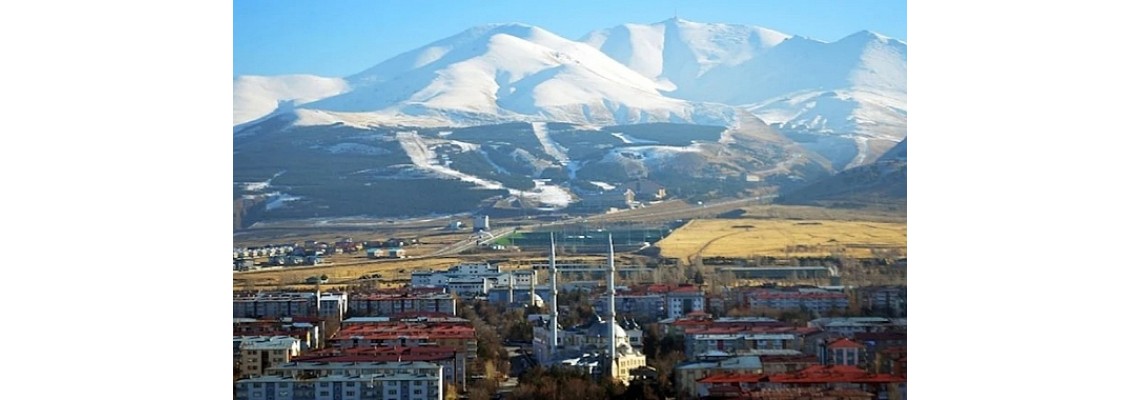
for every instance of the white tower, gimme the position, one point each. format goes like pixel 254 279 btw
pixel 533 300
pixel 511 288
pixel 612 311
pixel 553 301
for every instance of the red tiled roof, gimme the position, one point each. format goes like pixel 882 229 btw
pixel 844 343
pixel 715 329
pixel 398 329
pixel 834 374
pixel 379 354
pixel 731 378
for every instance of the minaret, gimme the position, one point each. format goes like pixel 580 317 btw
pixel 553 301
pixel 613 313
pixel 511 288
pixel 533 300
pixel 318 299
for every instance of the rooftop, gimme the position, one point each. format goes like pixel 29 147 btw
pixel 834 374
pixel 731 378
pixel 267 342
pixel 844 343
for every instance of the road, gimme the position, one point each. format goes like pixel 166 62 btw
pixel 465 244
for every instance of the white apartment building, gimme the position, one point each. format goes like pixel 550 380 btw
pixel 395 386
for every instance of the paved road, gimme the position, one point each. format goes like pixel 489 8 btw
pixel 468 243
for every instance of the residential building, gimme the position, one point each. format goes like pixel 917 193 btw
pixel 684 300
pixel 397 381
pixel 812 299
pixel 727 341
pixel 289 304
pixel 362 360
pixel 656 301
pixel 305 329
pixel 259 353
pixel 889 299
pixel 379 304
pixel 842 351
pixel 357 333
pixel 680 325
pixel 849 326
pixel 685 376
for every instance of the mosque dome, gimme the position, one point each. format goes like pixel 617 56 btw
pixel 602 329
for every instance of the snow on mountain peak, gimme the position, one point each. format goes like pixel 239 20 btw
pixel 499 72
pixel 674 70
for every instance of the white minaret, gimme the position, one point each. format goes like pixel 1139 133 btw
pixel 553 301
pixel 612 312
pixel 533 300
pixel 511 288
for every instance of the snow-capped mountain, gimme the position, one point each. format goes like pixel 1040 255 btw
pixel 679 54
pixel 258 96
pixel 512 72
pixel 853 88
pixel 846 98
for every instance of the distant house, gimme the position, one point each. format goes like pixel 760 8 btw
pixel 348 246
pixel 644 190
pixel 396 252
pixel 244 264
pixel 376 252
pixel 603 201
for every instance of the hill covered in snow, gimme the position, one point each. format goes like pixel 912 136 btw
pixel 512 114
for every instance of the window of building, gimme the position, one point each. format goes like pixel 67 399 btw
pixel 420 391
pixel 258 384
pixel 326 384
pixel 350 393
pixel 393 391
pixel 350 384
pixel 324 393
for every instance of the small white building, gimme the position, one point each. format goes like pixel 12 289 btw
pixel 467 287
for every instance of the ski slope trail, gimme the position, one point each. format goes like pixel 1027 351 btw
pixel 548 145
pixel 425 158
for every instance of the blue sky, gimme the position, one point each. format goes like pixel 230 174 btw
pixel 339 38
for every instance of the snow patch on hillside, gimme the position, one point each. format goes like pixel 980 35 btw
pixel 603 185
pixel 650 156
pixel 556 197
pixel 278 200
pixel 259 186
pixel 629 139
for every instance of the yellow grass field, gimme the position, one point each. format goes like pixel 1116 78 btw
pixel 338 274
pixel 743 238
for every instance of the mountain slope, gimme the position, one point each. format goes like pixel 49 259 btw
pixel 258 96
pixel 512 72
pixel 883 181
pixel 845 99
pixel 679 53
